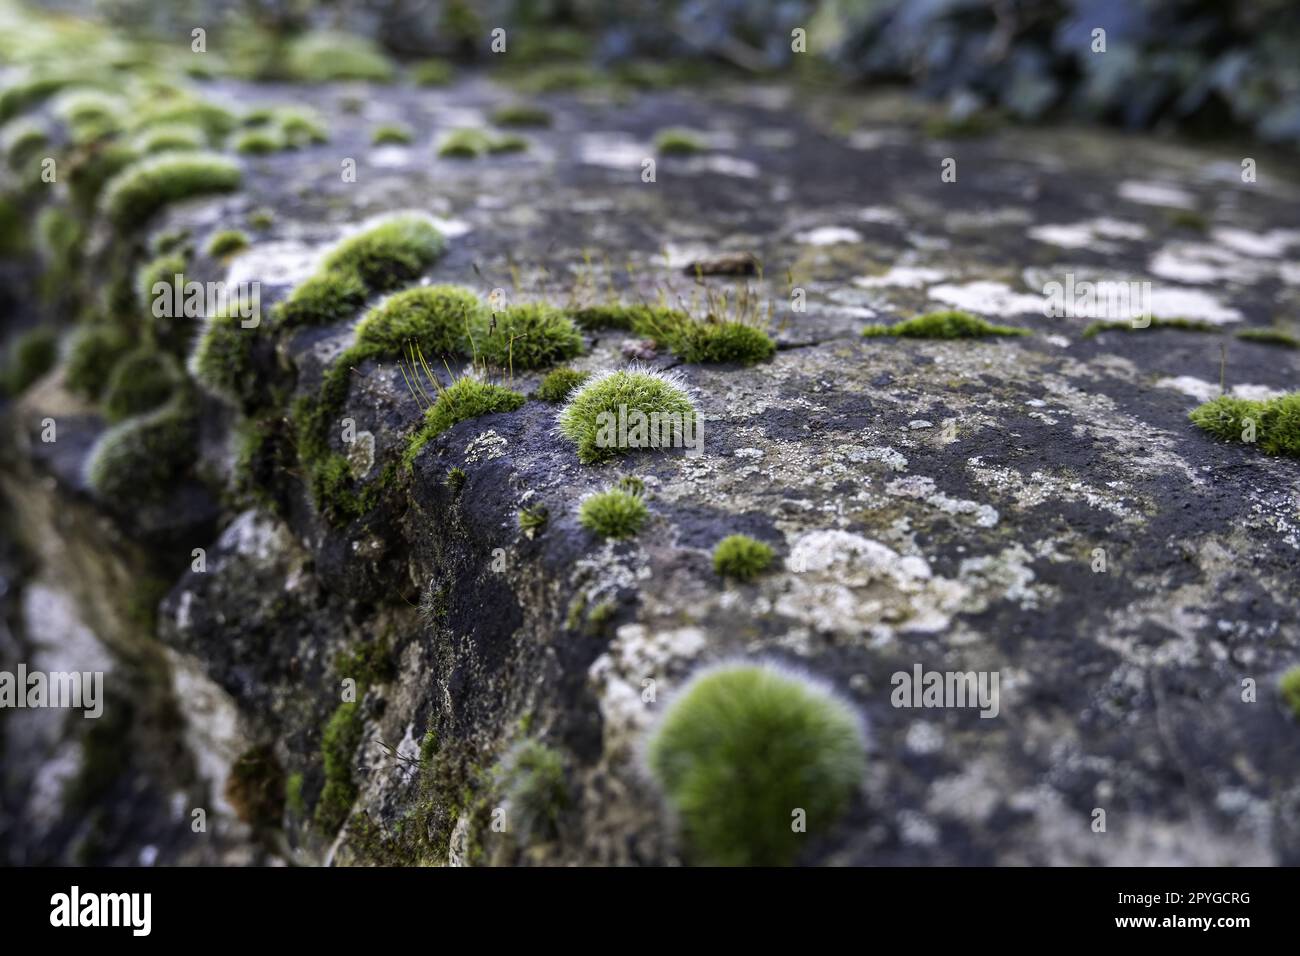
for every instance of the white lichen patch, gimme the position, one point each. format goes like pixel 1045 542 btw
pixel 629 679
pixel 1097 234
pixel 922 488
pixel 843 583
pixel 612 150
pixel 1154 193
pixel 828 236
pixel 1040 487
pixel 723 165
pixel 906 277
pixel 361 454
pixel 987 297
pixel 485 447
pixel 1204 391
pixel 884 454
pixel 1005 575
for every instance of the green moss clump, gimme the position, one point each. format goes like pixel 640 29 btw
pixel 455 480
pixel 300 127
pixel 529 336
pixel 678 142
pixel 559 77
pixel 294 801
pixel 613 513
pixel 90 170
pixel 500 145
pixel 392 134
pixel 227 242
pixel 172 332
pixel 437 318
pixel 742 557
pixel 533 520
pixel 463 399
pixel 223 359
pixel 33 354
pixel 1188 219
pixel 324 299
pixel 256 787
pixel 1269 337
pixel 23 141
pixel 521 114
pixel 951 324
pixel 93 351
pixel 693 340
pixel 531 779
pixel 558 384
pixel 18 97
pixel 137 461
pixel 432 72
pixel 216 121
pixel 140 382
pixel 464 144
pixel 258 142
pixel 322 56
pixel 389 255
pixel 742 749
pixel 1289 688
pixel 170 137
pixel 973 124
pixel 1187 325
pixel 1276 421
pixel 589 418
pixel 368 662
pixel 339 744
pixel 720 341
pixel 145 187
pixel 261 219
pixel 628 318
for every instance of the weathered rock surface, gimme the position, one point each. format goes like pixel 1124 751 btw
pixel 941 503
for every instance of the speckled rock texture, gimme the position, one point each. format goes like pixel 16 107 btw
pixel 1039 507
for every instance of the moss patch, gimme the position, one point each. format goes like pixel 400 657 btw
pixel 742 750
pixel 391 134
pixel 389 255
pixel 227 242
pixel 521 114
pixel 322 56
pixel 324 299
pixel 137 461
pixel 140 190
pixel 742 557
pixel 439 319
pixel 1187 325
pixel 463 399
pixel 1269 337
pixel 558 384
pixel 531 779
pixel 32 354
pixel 432 72
pixel 140 382
pixel 951 324
pixel 613 513
pixel 1274 423
pixel 1288 688
pixel 678 141
pixel 589 418
pixel 464 144
pixel 339 744
pixel 223 359
pixel 529 336
pixel 93 351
